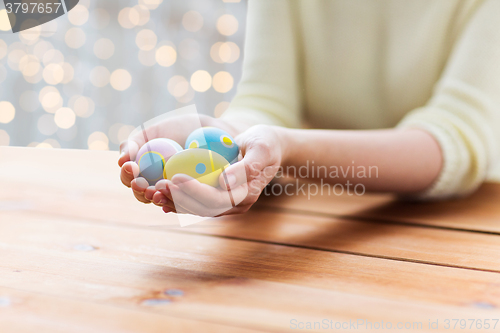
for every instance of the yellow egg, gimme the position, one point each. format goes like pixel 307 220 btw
pixel 202 164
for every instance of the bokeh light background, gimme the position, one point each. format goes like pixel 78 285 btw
pixel 87 79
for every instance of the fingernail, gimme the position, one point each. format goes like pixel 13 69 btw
pixel 231 179
pixel 142 183
pixel 161 185
pixel 162 201
pixel 122 154
pixel 171 185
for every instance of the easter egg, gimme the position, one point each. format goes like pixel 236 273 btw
pixel 215 140
pixel 201 164
pixel 152 157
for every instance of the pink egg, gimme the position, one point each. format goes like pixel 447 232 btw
pixel 152 157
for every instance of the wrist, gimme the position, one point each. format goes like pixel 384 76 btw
pixel 285 141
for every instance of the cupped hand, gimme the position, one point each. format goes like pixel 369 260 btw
pixel 262 148
pixel 175 128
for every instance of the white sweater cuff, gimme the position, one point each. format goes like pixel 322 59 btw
pixel 456 162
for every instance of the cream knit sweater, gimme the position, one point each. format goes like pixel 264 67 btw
pixel 365 64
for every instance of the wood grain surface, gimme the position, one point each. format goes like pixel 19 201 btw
pixel 80 254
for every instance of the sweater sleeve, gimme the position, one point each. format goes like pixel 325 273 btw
pixel 463 114
pixel 269 91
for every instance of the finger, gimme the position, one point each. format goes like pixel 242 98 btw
pixel 233 176
pixel 129 172
pixel 128 151
pixel 139 186
pixel 186 203
pixel 124 157
pixel 140 197
pixel 162 187
pixel 170 204
pixel 160 200
pixel 149 192
pixel 169 210
pixel 206 194
pixel 211 197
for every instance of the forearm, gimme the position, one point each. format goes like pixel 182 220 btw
pixel 401 161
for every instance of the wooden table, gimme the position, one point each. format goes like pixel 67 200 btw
pixel 79 254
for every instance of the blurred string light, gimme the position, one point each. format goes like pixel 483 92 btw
pixel 225 52
pixel 221 108
pixel 78 15
pixel 4 21
pixel 98 141
pixel 119 132
pixel 120 79
pixel 227 25
pixel 83 106
pixel 47 144
pixel 166 55
pixel 146 40
pixel 130 17
pixel 50 98
pixel 7 112
pixel 192 21
pixel 4 138
pixel 104 48
pixel 53 143
pixel 75 68
pixel 201 81
pixel 150 4
pixel 30 36
pixel 64 118
pixel 178 86
pixel 223 82
pixel 75 38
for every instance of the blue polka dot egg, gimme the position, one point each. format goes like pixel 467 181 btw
pixel 216 140
pixel 152 157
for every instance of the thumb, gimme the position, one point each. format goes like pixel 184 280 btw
pixel 233 176
pixel 128 152
pixel 256 157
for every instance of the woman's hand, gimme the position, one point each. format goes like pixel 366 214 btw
pixel 262 148
pixel 175 128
